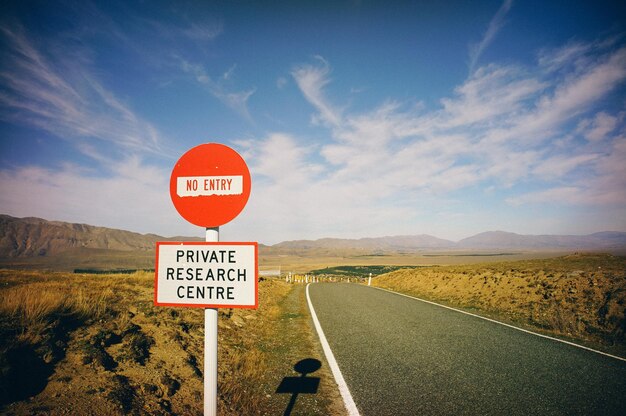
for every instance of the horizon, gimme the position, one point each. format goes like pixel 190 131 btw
pixel 342 238
pixel 356 119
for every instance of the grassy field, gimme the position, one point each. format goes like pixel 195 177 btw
pixel 580 296
pixel 356 271
pixel 305 262
pixel 95 344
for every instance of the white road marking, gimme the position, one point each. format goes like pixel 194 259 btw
pixel 341 383
pixel 502 323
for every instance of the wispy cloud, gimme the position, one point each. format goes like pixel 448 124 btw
pixel 311 80
pixel 63 97
pixel 490 93
pixel 132 194
pixel 236 100
pixel 564 194
pixel 550 132
pixel 560 165
pixel 163 46
pixel 496 23
pixel 204 32
pixel 503 131
pixel 600 126
pixel 602 185
pixel 570 96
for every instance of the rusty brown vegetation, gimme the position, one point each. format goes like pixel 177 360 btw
pixel 582 296
pixel 95 344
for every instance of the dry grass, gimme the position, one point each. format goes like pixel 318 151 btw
pixel 35 307
pixel 243 362
pixel 73 343
pixel 579 296
pixel 304 261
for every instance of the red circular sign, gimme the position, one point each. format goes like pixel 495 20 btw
pixel 210 185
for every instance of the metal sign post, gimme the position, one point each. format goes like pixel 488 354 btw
pixel 210 345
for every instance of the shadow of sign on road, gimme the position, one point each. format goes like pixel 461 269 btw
pixel 302 384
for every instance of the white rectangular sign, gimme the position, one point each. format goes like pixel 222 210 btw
pixel 206 275
pixel 209 185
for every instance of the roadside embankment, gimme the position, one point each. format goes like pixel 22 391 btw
pixel 581 296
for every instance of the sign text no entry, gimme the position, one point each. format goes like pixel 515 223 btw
pixel 210 185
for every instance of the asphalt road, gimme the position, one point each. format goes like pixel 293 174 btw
pixel 400 356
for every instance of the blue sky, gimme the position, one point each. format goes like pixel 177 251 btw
pixel 357 119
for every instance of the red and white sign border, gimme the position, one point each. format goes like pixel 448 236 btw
pixel 204 243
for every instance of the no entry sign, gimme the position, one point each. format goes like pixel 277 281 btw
pixel 206 275
pixel 210 185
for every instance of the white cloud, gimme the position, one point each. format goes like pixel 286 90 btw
pixel 492 91
pixel 604 186
pixel 494 130
pixel 560 195
pixel 204 32
pixel 505 129
pixel 507 166
pixel 63 98
pixel 558 166
pixel 132 195
pixel 575 95
pixel 236 100
pixel 568 97
pixel 573 53
pixel 597 129
pixel 609 182
pixel 495 24
pixel 574 56
pixel 311 80
pixel 294 196
pixel 281 160
pixel 61 95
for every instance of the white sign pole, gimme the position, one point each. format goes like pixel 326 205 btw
pixel 210 345
pixel 369 282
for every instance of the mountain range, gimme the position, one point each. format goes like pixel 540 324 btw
pixel 31 237
pixel 491 240
pixel 22 238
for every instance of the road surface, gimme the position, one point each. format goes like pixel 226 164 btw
pixel 400 356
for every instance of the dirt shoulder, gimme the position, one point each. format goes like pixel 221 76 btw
pixel 295 362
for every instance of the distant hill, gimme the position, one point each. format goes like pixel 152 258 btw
pixel 35 242
pixel 491 240
pixel 38 243
pixel 505 240
pixel 396 243
pixel 32 237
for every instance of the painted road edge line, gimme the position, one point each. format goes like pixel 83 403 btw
pixel 330 357
pixel 507 325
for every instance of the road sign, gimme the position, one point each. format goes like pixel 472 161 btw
pixel 210 185
pixel 207 275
